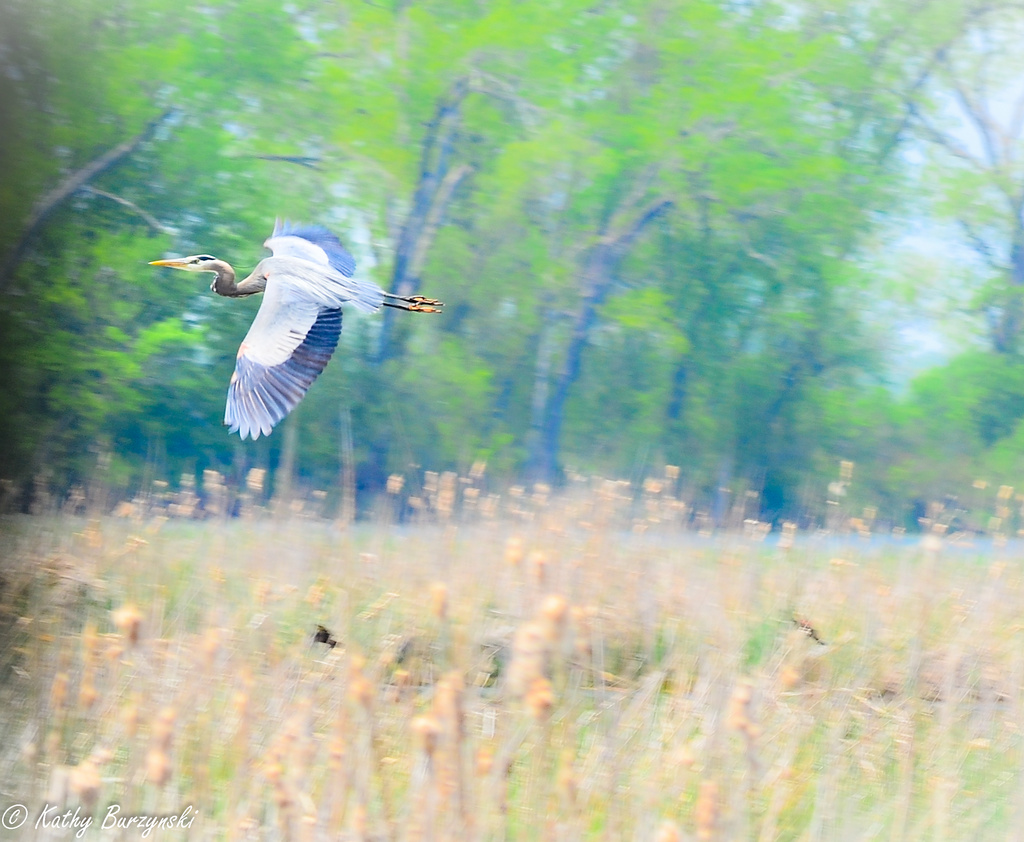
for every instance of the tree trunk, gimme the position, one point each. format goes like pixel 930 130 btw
pixel 544 461
pixel 597 277
pixel 541 382
pixel 437 183
pixel 1006 330
pixel 347 513
pixel 677 395
pixel 285 477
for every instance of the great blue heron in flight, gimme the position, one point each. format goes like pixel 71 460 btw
pixel 296 329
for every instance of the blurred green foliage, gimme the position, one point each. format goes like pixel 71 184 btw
pixel 644 217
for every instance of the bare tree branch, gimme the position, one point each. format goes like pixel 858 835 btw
pixel 151 220
pixel 497 88
pixel 621 239
pixel 434 215
pixel 944 140
pixel 938 55
pixel 984 250
pixel 74 182
pixel 618 223
pixel 300 160
pixel 981 120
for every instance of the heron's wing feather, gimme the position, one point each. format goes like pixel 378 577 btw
pixel 308 280
pixel 286 348
pixel 311 242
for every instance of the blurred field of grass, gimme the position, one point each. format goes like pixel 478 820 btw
pixel 552 670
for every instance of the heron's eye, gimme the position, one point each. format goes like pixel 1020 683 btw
pixel 202 258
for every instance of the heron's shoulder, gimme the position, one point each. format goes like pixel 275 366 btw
pixel 295 279
pixel 293 266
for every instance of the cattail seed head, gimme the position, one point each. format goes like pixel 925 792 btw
pixel 52 744
pixel 254 480
pixel 582 624
pixel 540 699
pixel 158 767
pixel 448 697
pixel 272 768
pixel 685 756
pixel 514 551
pixel 59 691
pixel 163 728
pixel 90 643
pixel 130 717
pixel 554 612
pixel 555 608
pixel 789 677
pixel 360 690
pixel 788 537
pixel 336 753
pixel 85 782
pixel 360 822
pixel 705 811
pixel 448 705
pixel 427 730
pixel 529 650
pixel 439 600
pixel 738 717
pixel 315 595
pixel 128 621
pixel 668 832
pixel 210 646
pixel 87 693
pixel 566 783
pixel 538 566
pixel 240 702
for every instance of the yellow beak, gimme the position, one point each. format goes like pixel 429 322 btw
pixel 174 263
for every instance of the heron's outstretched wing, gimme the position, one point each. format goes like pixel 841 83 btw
pixel 311 242
pixel 286 348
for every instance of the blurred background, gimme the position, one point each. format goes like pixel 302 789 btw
pixel 749 239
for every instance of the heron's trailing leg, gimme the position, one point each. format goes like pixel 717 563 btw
pixel 413 303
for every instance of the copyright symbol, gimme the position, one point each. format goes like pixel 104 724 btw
pixel 14 816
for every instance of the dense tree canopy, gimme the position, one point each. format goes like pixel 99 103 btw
pixel 648 219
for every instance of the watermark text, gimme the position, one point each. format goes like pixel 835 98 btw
pixel 54 817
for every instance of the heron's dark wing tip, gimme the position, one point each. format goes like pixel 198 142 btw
pixel 337 255
pixel 260 396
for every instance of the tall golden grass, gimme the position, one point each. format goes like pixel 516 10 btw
pixel 529 666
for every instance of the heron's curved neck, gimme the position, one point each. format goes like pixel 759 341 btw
pixel 223 278
pixel 224 281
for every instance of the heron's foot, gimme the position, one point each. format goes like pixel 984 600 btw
pixel 413 303
pixel 424 307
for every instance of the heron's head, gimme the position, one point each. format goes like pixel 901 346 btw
pixel 195 263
